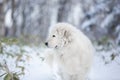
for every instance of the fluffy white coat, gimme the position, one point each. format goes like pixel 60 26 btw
pixel 72 52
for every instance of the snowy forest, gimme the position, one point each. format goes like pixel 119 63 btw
pixel 24 26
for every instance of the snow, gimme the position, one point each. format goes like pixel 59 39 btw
pixel 86 24
pixel 76 15
pixel 35 12
pixel 107 21
pixel 8 19
pixel 118 31
pixel 54 12
pixel 102 71
pixel 99 71
pixel 36 69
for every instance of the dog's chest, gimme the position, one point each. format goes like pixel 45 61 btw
pixel 66 63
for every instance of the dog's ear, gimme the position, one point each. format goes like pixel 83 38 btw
pixel 67 35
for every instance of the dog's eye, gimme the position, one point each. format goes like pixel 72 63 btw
pixel 53 36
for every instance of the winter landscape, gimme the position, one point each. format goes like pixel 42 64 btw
pixel 24 26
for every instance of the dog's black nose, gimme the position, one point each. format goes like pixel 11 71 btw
pixel 46 43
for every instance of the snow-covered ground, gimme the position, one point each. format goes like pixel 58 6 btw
pixel 36 69
pixel 102 71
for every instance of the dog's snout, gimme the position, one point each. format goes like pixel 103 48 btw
pixel 46 43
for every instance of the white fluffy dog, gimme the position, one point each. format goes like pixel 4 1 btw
pixel 72 52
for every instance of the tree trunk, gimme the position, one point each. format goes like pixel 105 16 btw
pixel 2 28
pixel 13 29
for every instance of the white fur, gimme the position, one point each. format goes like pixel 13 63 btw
pixel 72 52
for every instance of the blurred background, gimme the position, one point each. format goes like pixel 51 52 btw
pixel 28 21
pixel 28 18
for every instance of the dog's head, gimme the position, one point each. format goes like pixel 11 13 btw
pixel 59 36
